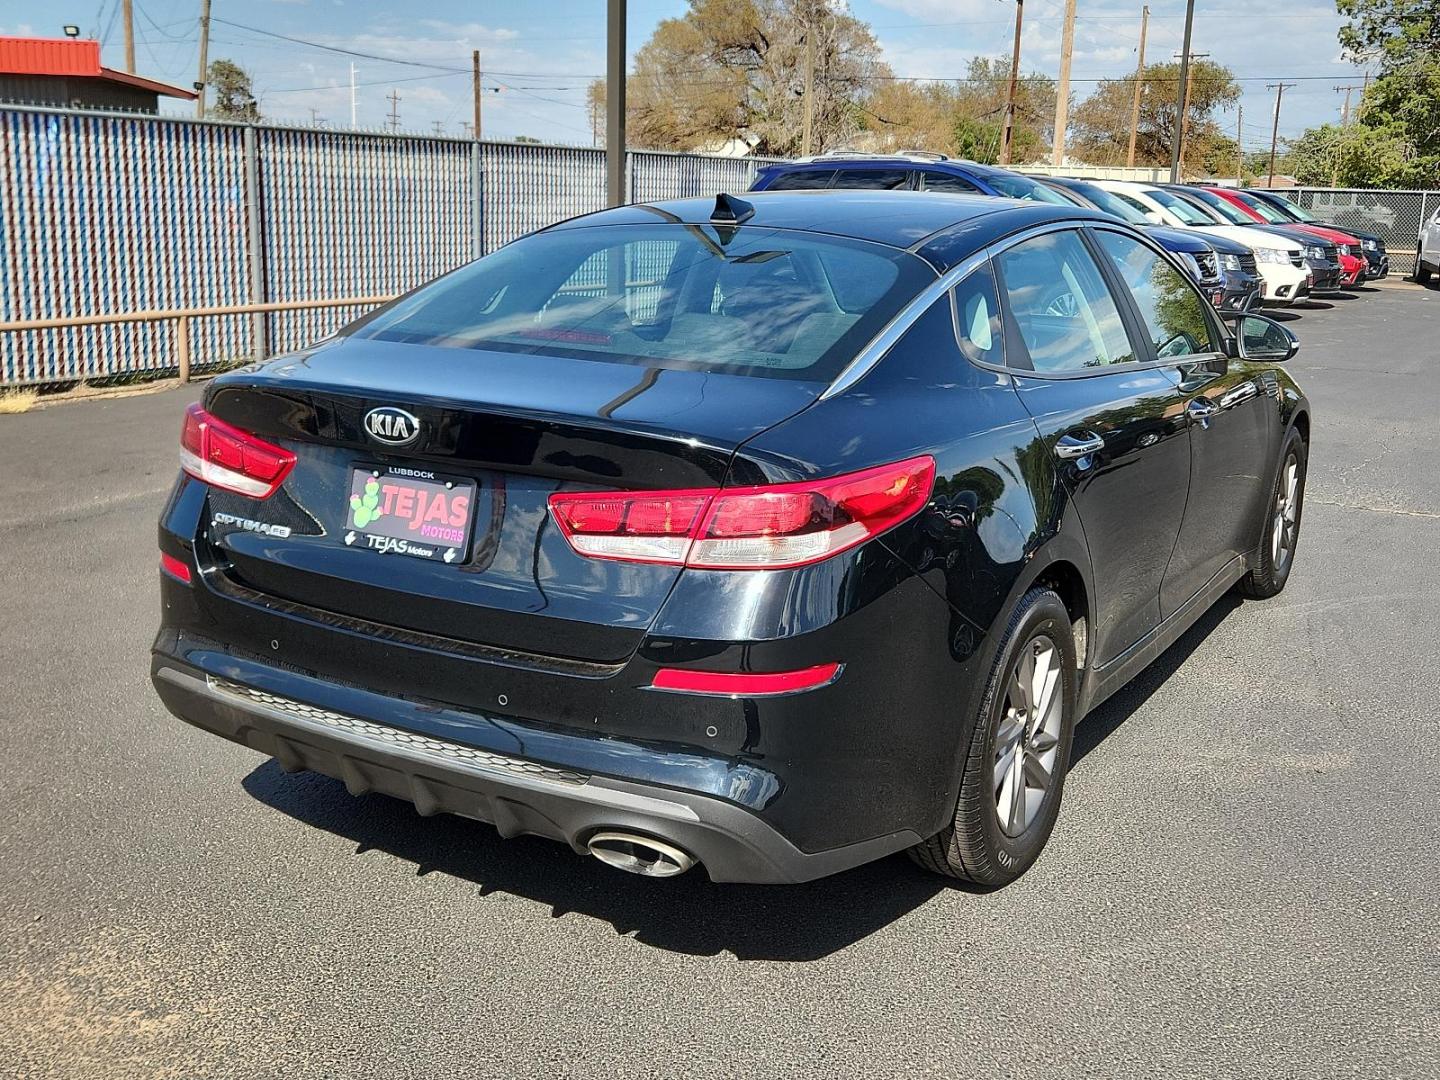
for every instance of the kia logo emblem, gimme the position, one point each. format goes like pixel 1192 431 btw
pixel 392 426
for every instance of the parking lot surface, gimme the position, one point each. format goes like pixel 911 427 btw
pixel 1244 881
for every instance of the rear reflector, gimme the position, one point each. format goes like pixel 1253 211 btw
pixel 744 683
pixel 175 568
pixel 745 528
pixel 228 458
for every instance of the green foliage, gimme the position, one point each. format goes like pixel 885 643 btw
pixel 233 98
pixel 1395 139
pixel 1100 126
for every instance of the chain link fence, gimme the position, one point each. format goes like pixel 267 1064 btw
pixel 1394 215
pixel 102 213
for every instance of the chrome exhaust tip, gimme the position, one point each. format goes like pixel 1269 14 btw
pixel 639 854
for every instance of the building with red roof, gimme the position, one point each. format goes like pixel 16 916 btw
pixel 67 73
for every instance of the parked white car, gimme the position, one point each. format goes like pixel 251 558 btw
pixel 1281 262
pixel 1428 253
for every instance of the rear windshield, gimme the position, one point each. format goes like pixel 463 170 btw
pixel 747 300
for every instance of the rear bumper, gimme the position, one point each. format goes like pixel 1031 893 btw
pixel 515 793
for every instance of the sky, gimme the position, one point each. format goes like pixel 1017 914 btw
pixel 539 57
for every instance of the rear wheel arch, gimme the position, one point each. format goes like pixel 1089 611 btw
pixel 1066 581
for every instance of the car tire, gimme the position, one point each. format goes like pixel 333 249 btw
pixel 1422 273
pixel 998 831
pixel 1282 525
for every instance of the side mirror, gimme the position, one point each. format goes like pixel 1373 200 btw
pixel 1259 338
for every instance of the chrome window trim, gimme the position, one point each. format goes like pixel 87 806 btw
pixel 866 359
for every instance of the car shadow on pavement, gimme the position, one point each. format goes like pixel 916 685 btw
pixel 687 914
pixel 1104 721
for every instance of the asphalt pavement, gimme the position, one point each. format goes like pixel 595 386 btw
pixel 1244 881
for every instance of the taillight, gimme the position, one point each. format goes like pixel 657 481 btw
pixel 223 455
pixel 749 528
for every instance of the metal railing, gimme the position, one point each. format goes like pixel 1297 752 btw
pixel 182 317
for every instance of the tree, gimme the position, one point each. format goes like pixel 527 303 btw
pixel 1395 139
pixel 737 67
pixel 1391 31
pixel 233 98
pixel 1100 125
pixel 965 118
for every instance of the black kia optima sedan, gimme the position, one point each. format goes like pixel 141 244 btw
pixel 771 535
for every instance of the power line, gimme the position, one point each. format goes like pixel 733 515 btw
pixel 336 48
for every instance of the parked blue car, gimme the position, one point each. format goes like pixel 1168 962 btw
pixel 1226 277
pixel 910 171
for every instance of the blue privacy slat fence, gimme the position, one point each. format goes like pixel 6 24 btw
pixel 102 213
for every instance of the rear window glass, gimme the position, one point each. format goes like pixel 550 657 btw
pixel 747 300
pixel 872 179
pixel 801 180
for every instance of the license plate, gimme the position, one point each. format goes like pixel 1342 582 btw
pixel 415 512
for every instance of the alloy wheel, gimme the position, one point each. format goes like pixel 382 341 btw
pixel 1027 742
pixel 1287 516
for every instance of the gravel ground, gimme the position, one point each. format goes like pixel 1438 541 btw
pixel 1243 883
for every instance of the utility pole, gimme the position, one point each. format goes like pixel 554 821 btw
pixel 316 118
pixel 127 16
pixel 1062 93
pixel 1185 103
pixel 1344 123
pixel 615 103
pixel 1184 85
pixel 807 129
pixel 475 89
pixel 1139 81
pixel 438 127
pixel 394 98
pixel 352 95
pixel 1239 146
pixel 1279 89
pixel 204 59
pixel 1007 136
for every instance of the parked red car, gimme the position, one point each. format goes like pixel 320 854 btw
pixel 1353 265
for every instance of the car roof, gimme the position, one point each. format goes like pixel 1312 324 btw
pixel 940 227
pixel 911 161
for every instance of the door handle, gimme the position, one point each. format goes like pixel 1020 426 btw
pixel 1200 410
pixel 1244 392
pixel 1078 445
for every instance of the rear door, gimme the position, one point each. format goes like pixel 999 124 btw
pixel 1112 419
pixel 1228 409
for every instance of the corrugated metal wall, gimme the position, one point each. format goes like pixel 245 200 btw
pixel 102 214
